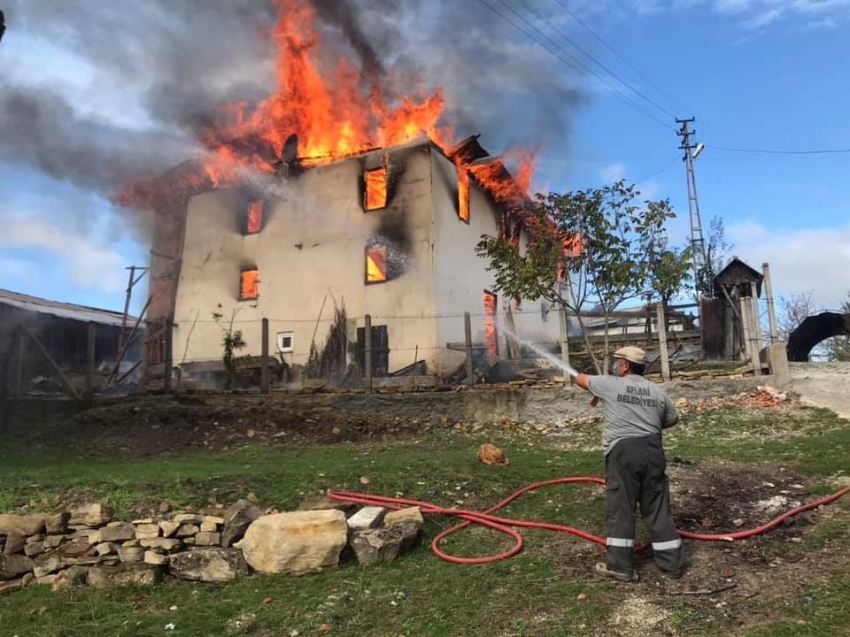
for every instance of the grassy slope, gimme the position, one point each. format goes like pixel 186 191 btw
pixel 532 594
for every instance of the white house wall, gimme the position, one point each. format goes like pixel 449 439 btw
pixel 461 276
pixel 312 246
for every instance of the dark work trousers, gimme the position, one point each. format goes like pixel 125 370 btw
pixel 636 472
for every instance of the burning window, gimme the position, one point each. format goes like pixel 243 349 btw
pixel 376 188
pixel 376 264
pixel 248 285
pixel 254 220
pixel 463 195
pixel 490 301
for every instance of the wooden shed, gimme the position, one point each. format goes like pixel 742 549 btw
pixel 723 316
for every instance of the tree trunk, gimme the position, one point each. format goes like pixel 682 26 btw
pixel 605 345
pixel 587 344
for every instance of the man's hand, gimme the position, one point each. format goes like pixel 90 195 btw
pixel 672 423
pixel 583 381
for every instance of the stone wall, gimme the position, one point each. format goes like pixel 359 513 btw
pixel 86 546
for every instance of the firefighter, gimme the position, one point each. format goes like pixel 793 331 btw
pixel 636 410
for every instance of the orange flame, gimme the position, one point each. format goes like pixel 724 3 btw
pixel 333 118
pixel 335 109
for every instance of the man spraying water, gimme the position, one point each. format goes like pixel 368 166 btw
pixel 636 411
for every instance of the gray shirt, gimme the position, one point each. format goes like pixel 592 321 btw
pixel 633 407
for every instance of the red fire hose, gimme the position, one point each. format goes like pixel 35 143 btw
pixel 504 524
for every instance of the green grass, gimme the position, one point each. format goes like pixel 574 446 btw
pixel 819 611
pixel 531 594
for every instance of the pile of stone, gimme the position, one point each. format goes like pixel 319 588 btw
pixel 86 546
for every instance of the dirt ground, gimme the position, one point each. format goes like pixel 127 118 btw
pixel 823 385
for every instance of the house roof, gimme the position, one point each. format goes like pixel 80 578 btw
pixel 70 311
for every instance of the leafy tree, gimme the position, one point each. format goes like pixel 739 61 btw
pixel 670 272
pixel 716 255
pixel 591 246
pixel 231 342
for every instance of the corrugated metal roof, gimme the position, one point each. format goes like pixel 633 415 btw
pixel 62 310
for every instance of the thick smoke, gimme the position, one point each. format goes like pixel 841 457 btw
pixel 178 60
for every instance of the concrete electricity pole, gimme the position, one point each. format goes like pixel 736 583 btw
pixel 697 241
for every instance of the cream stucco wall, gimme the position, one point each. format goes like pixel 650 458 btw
pixel 313 243
pixel 461 276
pixel 312 246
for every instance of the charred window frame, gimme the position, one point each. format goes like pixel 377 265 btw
pixel 249 284
pixel 254 217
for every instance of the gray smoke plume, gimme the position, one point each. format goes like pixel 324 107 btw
pixel 177 61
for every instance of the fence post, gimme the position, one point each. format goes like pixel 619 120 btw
pixel 169 334
pixel 91 341
pixel 662 344
pixel 367 350
pixel 771 309
pixel 264 370
pixel 467 336
pixel 565 344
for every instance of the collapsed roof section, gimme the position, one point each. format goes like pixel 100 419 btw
pixel 192 177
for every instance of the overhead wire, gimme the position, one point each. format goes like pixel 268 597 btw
pixel 779 152
pixel 570 59
pixel 564 35
pixel 658 172
pixel 587 27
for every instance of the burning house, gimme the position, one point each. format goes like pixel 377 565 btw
pixel 389 232
pixel 337 188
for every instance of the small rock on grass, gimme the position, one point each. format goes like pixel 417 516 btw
pixel 242 625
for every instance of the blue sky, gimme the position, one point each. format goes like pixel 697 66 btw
pixel 760 74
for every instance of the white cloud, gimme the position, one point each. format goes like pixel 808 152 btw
pixel 613 172
pixel 756 14
pixel 816 259
pixel 88 264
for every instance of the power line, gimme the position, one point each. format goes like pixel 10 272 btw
pixel 780 152
pixel 576 65
pixel 591 57
pixel 658 172
pixel 623 59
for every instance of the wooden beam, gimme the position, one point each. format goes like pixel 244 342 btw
pixel 50 360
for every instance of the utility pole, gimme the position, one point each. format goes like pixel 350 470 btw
pixel 697 241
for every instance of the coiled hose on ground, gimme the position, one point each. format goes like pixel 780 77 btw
pixel 487 519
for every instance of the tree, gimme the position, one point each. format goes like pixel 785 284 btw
pixel 837 348
pixel 716 250
pixel 231 342
pixel 793 310
pixel 670 272
pixel 589 246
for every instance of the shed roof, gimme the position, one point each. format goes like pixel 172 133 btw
pixel 62 310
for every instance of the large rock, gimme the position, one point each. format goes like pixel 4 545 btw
pixel 21 524
pixel 47 564
pixel 367 518
pixel 124 575
pixel 412 514
pixel 385 544
pixel 237 519
pixel 296 542
pixel 167 544
pixel 13 566
pixel 118 532
pixel 322 503
pixel 11 587
pixel 15 543
pixel 57 524
pixel 95 514
pixel 209 564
